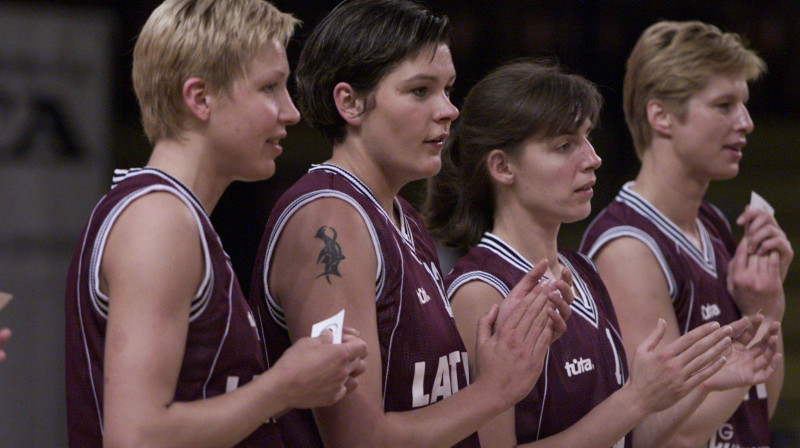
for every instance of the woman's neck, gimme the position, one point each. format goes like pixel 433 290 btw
pixel 533 239
pixel 665 183
pixel 186 160
pixel 353 158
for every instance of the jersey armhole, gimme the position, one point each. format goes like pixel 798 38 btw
pixel 480 276
pixel 100 300
pixel 648 241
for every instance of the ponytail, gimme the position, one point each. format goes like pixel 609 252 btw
pixel 458 207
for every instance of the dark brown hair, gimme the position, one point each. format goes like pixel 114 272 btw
pixel 358 42
pixel 511 104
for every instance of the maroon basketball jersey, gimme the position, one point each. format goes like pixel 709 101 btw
pixel 422 356
pixel 697 285
pixel 583 367
pixel 222 345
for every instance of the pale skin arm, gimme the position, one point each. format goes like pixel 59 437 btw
pixel 5 335
pixel 640 295
pixel 755 279
pixel 659 378
pixel 470 303
pixel 748 363
pixel 515 350
pixel 151 269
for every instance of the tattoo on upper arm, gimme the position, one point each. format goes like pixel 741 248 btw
pixel 331 253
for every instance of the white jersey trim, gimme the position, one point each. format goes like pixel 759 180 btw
pixel 100 300
pixel 396 324
pixel 640 235
pixel 83 329
pixel 704 257
pixel 482 276
pixel 584 300
pixel 404 230
pixel 721 216
pixel 505 251
pixel 691 309
pixel 232 276
pixel 544 394
pixel 584 303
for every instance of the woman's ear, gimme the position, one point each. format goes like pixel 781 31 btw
pixel 660 117
pixel 349 103
pixel 499 165
pixel 196 98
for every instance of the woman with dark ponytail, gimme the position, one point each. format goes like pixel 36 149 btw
pixel 463 202
pixel 519 165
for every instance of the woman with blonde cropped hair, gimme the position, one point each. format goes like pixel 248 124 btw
pixel 162 348
pixel 665 252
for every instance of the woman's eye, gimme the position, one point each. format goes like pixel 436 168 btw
pixel 725 107
pixel 420 91
pixel 563 147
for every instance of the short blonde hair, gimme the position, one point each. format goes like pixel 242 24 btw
pixel 215 40
pixel 674 60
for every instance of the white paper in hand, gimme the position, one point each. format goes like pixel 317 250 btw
pixel 334 323
pixel 4 299
pixel 759 203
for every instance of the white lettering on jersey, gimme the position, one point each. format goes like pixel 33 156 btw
pixel 465 361
pixel 441 384
pixel 232 384
pixel 721 439
pixel 445 382
pixel 710 311
pixel 433 271
pixel 578 366
pixel 418 395
pixel 423 296
pixel 761 392
pixel 454 358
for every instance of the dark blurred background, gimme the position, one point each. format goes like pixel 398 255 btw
pixel 590 37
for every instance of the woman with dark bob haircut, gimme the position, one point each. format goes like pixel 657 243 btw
pixel 519 165
pixel 375 77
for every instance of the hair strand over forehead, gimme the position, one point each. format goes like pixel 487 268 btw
pixel 357 43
